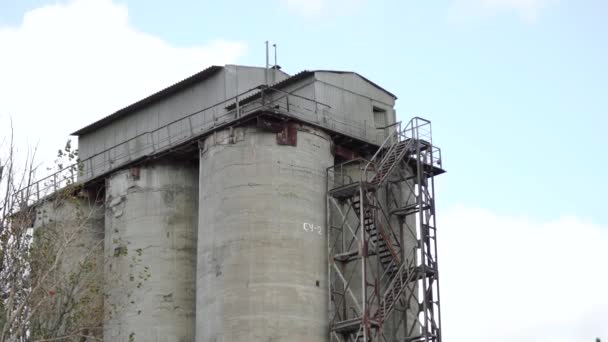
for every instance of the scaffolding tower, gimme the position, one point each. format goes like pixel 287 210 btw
pixel 383 275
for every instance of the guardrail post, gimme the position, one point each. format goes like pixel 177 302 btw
pixel 55 181
pixel 151 142
pixel 37 191
pixel 238 107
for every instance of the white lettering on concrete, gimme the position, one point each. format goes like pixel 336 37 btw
pixel 311 228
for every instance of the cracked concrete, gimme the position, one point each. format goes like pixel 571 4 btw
pixel 151 284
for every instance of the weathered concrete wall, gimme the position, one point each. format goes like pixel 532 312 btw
pixel 150 247
pixel 70 227
pixel 345 103
pixel 352 100
pixel 262 247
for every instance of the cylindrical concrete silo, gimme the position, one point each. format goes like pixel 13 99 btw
pixel 150 249
pixel 69 226
pixel 262 246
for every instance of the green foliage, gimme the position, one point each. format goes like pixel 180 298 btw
pixel 71 293
pixel 121 251
pixel 52 274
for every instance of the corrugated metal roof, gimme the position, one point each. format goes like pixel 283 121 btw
pixel 198 77
pixel 302 75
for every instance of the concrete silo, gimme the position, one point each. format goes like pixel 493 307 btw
pixel 150 251
pixel 262 248
pixel 68 226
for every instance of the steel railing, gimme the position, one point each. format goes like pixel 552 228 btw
pixel 190 127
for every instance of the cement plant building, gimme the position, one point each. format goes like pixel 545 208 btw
pixel 264 207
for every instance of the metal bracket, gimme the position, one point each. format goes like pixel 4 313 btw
pixel 270 125
pixel 345 153
pixel 287 132
pixel 288 135
pixel 135 173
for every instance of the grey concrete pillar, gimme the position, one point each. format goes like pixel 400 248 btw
pixel 262 247
pixel 150 250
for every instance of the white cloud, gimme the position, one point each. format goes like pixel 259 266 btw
pixel 316 8
pixel 515 279
pixel 527 9
pixel 68 65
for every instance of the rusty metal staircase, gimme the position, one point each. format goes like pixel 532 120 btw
pixel 372 272
pixel 390 160
pixel 393 292
pixel 387 250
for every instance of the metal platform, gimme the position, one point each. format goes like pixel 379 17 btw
pixel 349 190
pixel 352 326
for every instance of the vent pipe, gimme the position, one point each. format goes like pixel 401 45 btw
pixel 267 65
pixel 276 66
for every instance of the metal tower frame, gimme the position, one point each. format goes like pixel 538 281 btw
pixel 382 242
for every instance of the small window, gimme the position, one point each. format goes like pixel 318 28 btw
pixel 380 120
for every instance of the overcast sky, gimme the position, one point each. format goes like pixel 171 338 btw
pixel 517 91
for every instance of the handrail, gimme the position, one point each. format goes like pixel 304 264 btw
pixel 176 121
pixel 80 163
pixel 156 144
pixel 294 95
pixel 387 140
pixel 413 132
pixel 391 125
pixel 340 169
pixel 384 143
pixel 47 185
pixel 398 278
pixel 56 179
